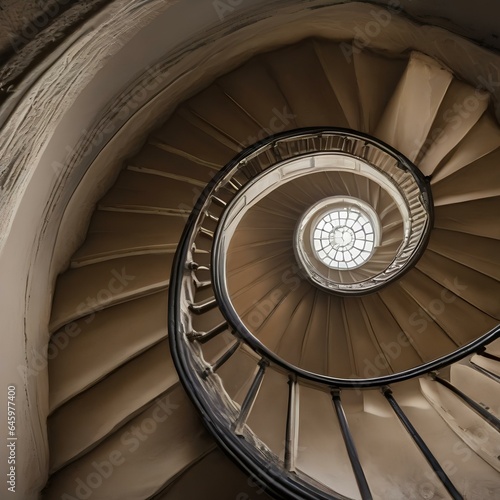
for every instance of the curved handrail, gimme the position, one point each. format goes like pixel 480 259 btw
pixel 218 416
pixel 243 332
pixel 262 468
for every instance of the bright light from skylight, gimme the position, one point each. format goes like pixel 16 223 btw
pixel 343 238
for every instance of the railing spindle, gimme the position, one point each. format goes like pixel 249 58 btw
pixel 207 232
pixel 219 201
pixel 223 359
pixel 359 474
pixel 292 424
pixel 203 337
pixel 491 419
pixel 214 332
pixel 203 307
pixel 445 480
pixel 485 372
pixel 486 354
pixel 250 398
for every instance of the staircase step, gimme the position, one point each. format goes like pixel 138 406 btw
pixel 106 406
pixel 470 427
pixel 121 332
pixel 476 385
pixel 86 290
pixel 156 445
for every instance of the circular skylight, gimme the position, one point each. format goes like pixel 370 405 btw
pixel 335 236
pixel 343 238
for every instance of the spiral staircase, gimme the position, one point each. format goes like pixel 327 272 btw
pixel 318 378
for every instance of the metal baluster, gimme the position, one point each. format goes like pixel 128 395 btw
pixel 292 424
pixel 206 232
pixel 214 332
pixel 203 337
pixel 250 398
pixel 212 217
pixel 194 266
pixel 364 489
pixel 494 421
pixel 486 354
pixel 203 307
pixel 223 359
pixel 235 184
pixel 219 201
pixel 485 372
pixel 421 444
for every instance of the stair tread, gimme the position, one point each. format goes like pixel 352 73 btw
pixel 473 430
pixel 476 252
pixel 412 109
pixel 464 217
pixel 480 179
pixel 83 291
pixel 300 76
pixel 169 439
pixel 121 332
pixel 377 78
pixel 107 405
pixel 451 124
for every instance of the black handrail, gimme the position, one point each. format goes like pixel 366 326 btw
pixel 238 326
pixel 283 484
pixel 258 463
pixel 404 163
pixel 236 323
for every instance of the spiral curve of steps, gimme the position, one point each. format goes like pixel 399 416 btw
pixel 115 396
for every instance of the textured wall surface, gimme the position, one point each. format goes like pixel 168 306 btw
pixel 32 30
pixel 23 20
